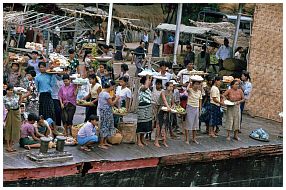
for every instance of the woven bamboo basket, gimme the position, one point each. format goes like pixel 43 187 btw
pixel 76 129
pixel 128 131
pixel 115 139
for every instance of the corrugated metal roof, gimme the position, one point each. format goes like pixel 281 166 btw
pixel 183 28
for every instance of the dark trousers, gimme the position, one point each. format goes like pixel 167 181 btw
pixel 241 110
pixel 68 114
pixel 118 54
pixel 58 112
pixel 220 64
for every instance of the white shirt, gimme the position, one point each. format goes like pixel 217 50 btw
pixel 123 93
pixel 215 94
pixel 184 78
pixel 145 38
pixel 169 77
pixel 223 52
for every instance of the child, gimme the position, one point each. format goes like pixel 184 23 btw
pixel 105 103
pixel 87 134
pixel 193 109
pixel 42 128
pixel 155 103
pixel 24 114
pixel 166 99
pixel 14 75
pixel 177 102
pixel 28 131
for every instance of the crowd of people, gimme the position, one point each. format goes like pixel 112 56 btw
pixel 48 106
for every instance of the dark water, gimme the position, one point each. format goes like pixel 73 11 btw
pixel 246 172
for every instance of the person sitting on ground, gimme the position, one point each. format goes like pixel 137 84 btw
pixel 86 136
pixel 27 132
pixel 42 128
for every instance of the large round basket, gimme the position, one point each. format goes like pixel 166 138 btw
pixel 115 139
pixel 75 130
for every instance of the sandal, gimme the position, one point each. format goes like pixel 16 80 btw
pixel 85 149
pixel 102 147
pixel 9 150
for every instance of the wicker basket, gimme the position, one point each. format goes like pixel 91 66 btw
pixel 128 131
pixel 76 129
pixel 115 139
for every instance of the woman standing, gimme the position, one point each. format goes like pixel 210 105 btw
pixel 105 103
pixel 94 90
pixel 233 112
pixel 246 87
pixel 166 99
pixel 67 96
pixel 215 103
pixel 44 83
pixel 144 112
pixel 156 45
pixel 194 106
pixel 203 59
pixel 125 98
pixel 13 119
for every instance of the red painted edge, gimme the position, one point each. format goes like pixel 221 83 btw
pixel 39 173
pixel 124 165
pixel 51 172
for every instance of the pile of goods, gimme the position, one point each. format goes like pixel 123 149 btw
pixel 89 45
pixel 119 111
pixel 166 109
pixel 260 134
pixel 18 58
pixel 54 70
pixel 197 72
pixel 58 60
pixel 227 79
pixel 34 46
pixel 180 110
pixel 80 81
pixel 84 103
pixel 70 141
pixel 20 90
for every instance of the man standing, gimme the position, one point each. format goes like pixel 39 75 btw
pixel 223 53
pixel 139 57
pixel 190 57
pixel 183 75
pixel 119 43
pixel 145 40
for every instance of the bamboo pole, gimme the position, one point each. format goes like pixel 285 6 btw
pixel 177 35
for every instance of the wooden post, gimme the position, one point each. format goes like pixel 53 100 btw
pixel 36 31
pixel 237 28
pixel 109 23
pixel 48 44
pixel 177 35
pixel 74 38
pixel 8 37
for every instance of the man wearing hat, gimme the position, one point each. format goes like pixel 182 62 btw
pixel 34 62
pixel 223 53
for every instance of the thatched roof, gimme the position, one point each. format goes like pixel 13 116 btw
pixel 148 14
pixel 221 30
pixel 183 29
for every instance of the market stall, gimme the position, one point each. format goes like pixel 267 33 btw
pixel 49 24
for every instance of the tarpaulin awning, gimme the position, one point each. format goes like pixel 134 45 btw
pixel 183 29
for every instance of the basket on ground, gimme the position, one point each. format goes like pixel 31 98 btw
pixel 128 131
pixel 75 129
pixel 115 139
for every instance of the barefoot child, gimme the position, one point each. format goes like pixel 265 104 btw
pixel 87 134
pixel 105 103
pixel 166 99
pixel 28 138
pixel 193 108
